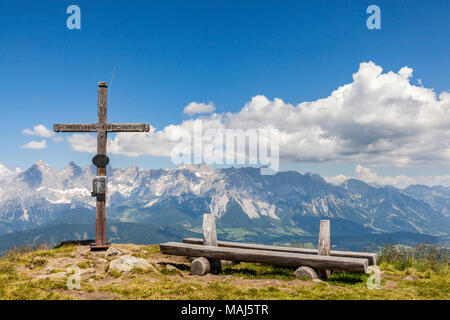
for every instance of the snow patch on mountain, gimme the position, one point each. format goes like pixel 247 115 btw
pixel 151 203
pixel 218 205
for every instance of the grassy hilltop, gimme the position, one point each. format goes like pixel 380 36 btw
pixel 420 273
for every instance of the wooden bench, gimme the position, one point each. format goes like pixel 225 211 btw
pixel 288 259
pixel 310 263
pixel 371 257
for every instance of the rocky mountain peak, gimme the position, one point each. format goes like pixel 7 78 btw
pixel 41 164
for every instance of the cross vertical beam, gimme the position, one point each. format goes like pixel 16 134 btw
pixel 100 221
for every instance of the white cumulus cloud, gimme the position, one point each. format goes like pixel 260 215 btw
pixel 39 130
pixel 6 172
pixel 380 119
pixel 195 108
pixel 42 132
pixel 368 175
pixel 35 144
pixel 83 142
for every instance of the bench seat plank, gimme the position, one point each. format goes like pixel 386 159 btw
pixel 372 257
pixel 288 259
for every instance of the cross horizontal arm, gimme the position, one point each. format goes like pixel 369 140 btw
pixel 75 127
pixel 127 127
pixel 94 127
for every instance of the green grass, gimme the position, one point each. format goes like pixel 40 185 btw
pixel 169 272
pixel 348 279
pixel 8 272
pixel 86 264
pixel 224 290
pixel 259 271
pixel 240 281
pixel 33 290
pixel 339 286
pixel 37 256
pixel 422 258
pixel 57 271
pixel 147 252
pixel 114 273
pixel 143 289
pixel 13 286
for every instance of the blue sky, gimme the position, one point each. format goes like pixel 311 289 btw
pixel 167 54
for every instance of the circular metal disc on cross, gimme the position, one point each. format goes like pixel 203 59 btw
pixel 100 160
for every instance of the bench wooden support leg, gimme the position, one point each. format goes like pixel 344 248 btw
pixel 210 239
pixel 200 266
pixel 324 245
pixel 216 266
pixel 305 272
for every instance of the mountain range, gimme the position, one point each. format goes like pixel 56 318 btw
pixel 240 198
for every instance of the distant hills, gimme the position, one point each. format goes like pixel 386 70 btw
pixel 145 233
pixel 288 202
pixel 137 233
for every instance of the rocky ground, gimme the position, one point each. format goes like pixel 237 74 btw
pixel 127 271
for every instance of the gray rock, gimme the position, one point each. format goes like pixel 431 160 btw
pixel 318 281
pixel 83 250
pixel 57 275
pixel 305 272
pixel 127 263
pixel 101 260
pixel 412 277
pixel 88 270
pixel 113 251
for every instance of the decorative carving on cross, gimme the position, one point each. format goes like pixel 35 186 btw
pixel 101 160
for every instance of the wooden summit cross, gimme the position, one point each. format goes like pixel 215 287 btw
pixel 101 159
